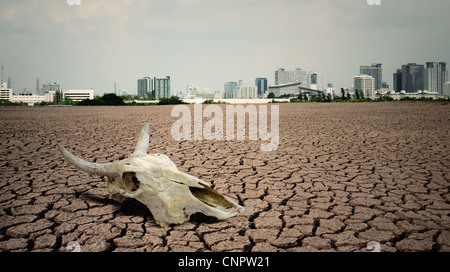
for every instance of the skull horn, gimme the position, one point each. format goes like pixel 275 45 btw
pixel 101 169
pixel 143 142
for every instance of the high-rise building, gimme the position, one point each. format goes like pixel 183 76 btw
pixel 192 89
pixel 5 92
pixel 50 87
pixel 366 84
pixel 398 80
pixel 230 86
pixel 444 75
pixel 261 85
pixel 161 87
pixel 412 77
pixel 144 86
pixel 330 89
pixel 446 92
pixel 298 75
pixel 310 80
pixel 436 75
pixel 316 81
pixel 375 71
pixel 245 92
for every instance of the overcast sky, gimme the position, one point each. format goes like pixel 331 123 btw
pixel 210 42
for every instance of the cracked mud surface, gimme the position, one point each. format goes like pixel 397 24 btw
pixel 343 175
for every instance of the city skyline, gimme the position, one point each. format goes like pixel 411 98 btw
pixel 99 43
pixel 431 80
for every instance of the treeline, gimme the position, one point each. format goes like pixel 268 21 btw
pixel 346 96
pixel 105 100
pixel 9 103
pixel 110 99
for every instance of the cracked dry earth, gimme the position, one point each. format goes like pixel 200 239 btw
pixel 343 175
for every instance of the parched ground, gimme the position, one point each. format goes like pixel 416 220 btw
pixel 344 175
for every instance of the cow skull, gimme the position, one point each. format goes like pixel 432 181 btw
pixel 154 180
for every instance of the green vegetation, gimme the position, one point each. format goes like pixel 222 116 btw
pixel 407 98
pixel 9 103
pixel 211 101
pixel 171 101
pixel 385 98
pixel 274 101
pixel 109 99
pixel 358 96
pixel 58 98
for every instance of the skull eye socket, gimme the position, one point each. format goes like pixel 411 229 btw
pixel 130 181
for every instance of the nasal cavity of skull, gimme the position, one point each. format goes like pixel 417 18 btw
pixel 210 197
pixel 130 181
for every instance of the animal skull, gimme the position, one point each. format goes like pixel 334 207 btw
pixel 170 195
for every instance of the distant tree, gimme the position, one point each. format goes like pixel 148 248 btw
pixel 170 101
pixel 107 99
pixel 285 96
pixel 322 97
pixel 112 99
pixel 271 95
pixel 385 98
pixel 89 102
pixel 357 94
pixel 68 101
pixel 127 97
pixel 58 97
